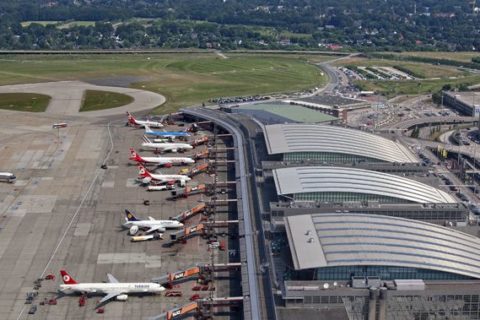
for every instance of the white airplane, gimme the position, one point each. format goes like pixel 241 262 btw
pixel 147 176
pixel 143 123
pixel 164 147
pixel 162 161
pixel 112 289
pixel 166 134
pixel 151 225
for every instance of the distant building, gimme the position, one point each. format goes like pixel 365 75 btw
pixel 466 103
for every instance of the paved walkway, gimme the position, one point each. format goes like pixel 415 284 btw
pixel 67 97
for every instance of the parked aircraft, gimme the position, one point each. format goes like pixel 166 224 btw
pixel 142 123
pixel 112 289
pixel 166 134
pixel 148 176
pixel 162 161
pixel 164 147
pixel 150 225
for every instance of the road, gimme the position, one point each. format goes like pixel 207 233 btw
pixel 67 97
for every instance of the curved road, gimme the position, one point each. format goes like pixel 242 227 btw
pixel 67 97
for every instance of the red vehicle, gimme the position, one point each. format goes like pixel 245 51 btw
pixel 173 294
pixel 59 125
pixel 195 297
pixel 50 277
pixel 81 301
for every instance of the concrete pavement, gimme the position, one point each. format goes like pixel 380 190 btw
pixel 67 97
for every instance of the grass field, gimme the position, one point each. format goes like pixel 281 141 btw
pixel 424 69
pixel 24 102
pixel 184 79
pixel 99 100
pixel 459 56
pixel 394 88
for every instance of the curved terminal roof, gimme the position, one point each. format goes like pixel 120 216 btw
pixel 287 138
pixel 339 239
pixel 342 179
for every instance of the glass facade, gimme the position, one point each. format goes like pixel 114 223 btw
pixel 384 273
pixel 340 197
pixel 329 157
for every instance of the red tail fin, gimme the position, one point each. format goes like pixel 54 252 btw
pixel 67 279
pixel 134 155
pixel 131 119
pixel 143 172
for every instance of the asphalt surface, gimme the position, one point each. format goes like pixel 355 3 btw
pixel 64 212
pixel 67 97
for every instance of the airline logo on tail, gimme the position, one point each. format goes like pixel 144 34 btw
pixel 67 279
pixel 130 216
pixel 131 119
pixel 134 155
pixel 143 172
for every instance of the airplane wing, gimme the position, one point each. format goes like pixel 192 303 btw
pixel 146 180
pixel 109 296
pixel 155 228
pixel 111 278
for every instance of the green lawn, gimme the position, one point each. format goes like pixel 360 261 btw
pixel 394 88
pixel 425 70
pixel 24 102
pixel 183 78
pixel 459 56
pixel 99 100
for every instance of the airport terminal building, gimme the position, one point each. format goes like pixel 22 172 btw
pixel 378 268
pixel 345 185
pixel 332 144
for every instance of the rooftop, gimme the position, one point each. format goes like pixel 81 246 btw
pixel 316 179
pixel 292 113
pixel 470 97
pixel 330 100
pixel 286 138
pixel 346 239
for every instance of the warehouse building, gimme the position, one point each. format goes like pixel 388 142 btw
pixel 349 185
pixel 333 145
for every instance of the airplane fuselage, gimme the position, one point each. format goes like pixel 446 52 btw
pixel 105 288
pixel 168 134
pixel 170 177
pixel 174 147
pixel 167 224
pixel 143 123
pixel 163 160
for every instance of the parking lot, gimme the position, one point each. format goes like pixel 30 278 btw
pixel 65 212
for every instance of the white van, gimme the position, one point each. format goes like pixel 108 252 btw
pixel 7 177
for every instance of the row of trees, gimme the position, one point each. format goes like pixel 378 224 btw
pixel 366 25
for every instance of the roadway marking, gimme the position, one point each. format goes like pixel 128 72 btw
pixel 75 214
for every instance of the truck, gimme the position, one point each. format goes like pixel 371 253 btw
pixel 7 177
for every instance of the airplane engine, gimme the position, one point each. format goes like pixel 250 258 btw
pixel 133 230
pixel 122 297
